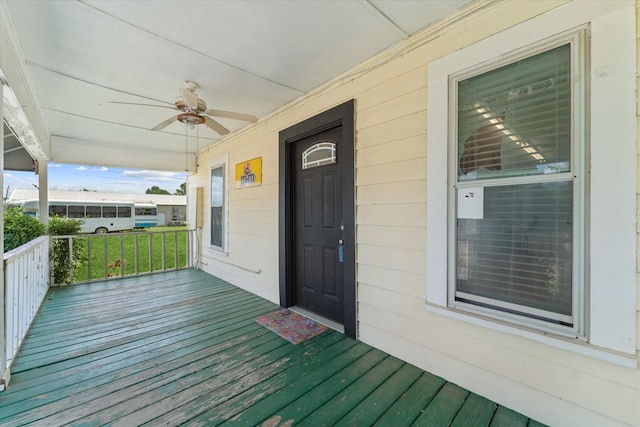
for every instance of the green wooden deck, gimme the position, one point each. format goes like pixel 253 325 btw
pixel 183 348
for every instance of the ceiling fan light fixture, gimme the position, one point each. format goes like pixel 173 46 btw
pixel 190 119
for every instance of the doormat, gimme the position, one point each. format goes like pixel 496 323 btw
pixel 291 326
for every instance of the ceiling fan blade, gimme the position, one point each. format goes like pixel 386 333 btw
pixel 212 124
pixel 165 123
pixel 190 98
pixel 144 105
pixel 232 115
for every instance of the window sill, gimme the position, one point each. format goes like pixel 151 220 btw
pixel 217 251
pixel 569 344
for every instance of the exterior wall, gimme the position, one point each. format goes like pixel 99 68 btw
pixel 553 385
pixel 172 214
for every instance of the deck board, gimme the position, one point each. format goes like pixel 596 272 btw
pixel 476 412
pixel 183 348
pixel 380 400
pixel 413 401
pixel 343 402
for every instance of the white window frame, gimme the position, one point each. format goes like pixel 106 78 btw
pixel 215 163
pixel 577 40
pixel 609 325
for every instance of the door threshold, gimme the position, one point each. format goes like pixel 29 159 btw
pixel 331 324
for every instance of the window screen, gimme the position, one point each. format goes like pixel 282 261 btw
pixel 514 244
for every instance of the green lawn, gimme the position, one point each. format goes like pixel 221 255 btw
pixel 117 251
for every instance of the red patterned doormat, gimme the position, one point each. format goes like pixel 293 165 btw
pixel 291 326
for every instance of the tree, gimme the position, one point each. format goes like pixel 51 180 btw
pixel 182 190
pixel 156 190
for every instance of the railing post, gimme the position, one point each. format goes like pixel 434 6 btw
pixel 136 255
pixel 4 371
pixel 122 258
pixel 164 250
pixel 175 249
pixel 150 253
pixel 89 258
pixel 71 265
pixel 106 255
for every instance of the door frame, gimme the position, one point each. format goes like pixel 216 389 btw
pixel 341 115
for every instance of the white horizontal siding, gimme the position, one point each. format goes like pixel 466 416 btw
pixel 553 385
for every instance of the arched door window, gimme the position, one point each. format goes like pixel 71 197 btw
pixel 322 153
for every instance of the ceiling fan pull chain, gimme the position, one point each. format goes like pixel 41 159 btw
pixel 186 142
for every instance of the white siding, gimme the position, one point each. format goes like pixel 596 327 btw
pixel 551 384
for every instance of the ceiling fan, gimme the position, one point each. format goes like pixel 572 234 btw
pixel 193 111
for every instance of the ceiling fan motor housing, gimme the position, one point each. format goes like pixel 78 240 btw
pixel 181 105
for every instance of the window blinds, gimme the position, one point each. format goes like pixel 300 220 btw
pixel 516 120
pixel 514 124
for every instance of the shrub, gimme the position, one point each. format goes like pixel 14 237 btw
pixel 60 226
pixel 63 263
pixel 20 228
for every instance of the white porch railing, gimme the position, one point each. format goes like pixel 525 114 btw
pixel 26 281
pixel 84 258
pixel 29 271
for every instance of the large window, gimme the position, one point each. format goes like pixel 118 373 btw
pixel 531 181
pixel 517 185
pixel 217 206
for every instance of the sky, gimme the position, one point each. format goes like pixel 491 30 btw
pixel 95 178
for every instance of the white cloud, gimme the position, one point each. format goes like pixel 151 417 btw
pixel 8 175
pixel 155 176
pixel 104 169
pixel 81 168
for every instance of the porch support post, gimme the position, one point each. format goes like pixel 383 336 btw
pixel 4 371
pixel 43 194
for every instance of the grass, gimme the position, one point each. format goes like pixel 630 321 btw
pixel 114 254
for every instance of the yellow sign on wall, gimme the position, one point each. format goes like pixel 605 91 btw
pixel 249 173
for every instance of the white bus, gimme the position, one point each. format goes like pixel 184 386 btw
pixel 146 215
pixel 97 216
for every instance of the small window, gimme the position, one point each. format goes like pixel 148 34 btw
pixel 108 211
pixel 58 210
pixel 217 207
pixel 146 211
pixel 124 211
pixel 76 212
pixel 322 153
pixel 93 212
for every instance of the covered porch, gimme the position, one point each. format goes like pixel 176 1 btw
pixel 183 347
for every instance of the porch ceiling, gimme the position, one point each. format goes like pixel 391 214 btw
pixel 75 58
